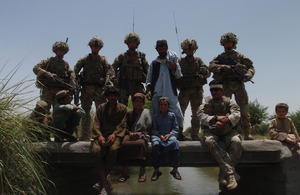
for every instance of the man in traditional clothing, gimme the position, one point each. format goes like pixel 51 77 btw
pixel 135 142
pixel 161 82
pixel 109 129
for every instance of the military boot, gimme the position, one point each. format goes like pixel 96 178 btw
pixel 248 137
pixel 232 184
pixel 222 180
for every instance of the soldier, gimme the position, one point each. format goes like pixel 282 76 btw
pixel 219 116
pixel 131 69
pixel 97 74
pixel 43 118
pixel 233 69
pixel 195 73
pixel 53 74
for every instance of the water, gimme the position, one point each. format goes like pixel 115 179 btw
pixel 195 180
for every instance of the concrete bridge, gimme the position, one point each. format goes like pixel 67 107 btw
pixel 266 166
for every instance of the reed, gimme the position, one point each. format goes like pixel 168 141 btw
pixel 21 169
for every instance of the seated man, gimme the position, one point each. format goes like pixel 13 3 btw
pixel 66 116
pixel 164 137
pixel 283 129
pixel 109 129
pixel 218 116
pixel 134 145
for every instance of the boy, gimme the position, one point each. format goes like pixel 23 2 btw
pixel 164 137
pixel 282 128
pixel 66 116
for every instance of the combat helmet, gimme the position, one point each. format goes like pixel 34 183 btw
pixel 229 37
pixel 189 44
pixel 132 37
pixel 60 45
pixel 96 41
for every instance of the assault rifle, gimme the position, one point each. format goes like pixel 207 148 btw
pixel 232 64
pixel 54 81
pixel 79 79
pixel 61 82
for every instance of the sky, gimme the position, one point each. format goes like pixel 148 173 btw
pixel 268 33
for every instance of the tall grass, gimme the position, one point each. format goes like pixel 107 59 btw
pixel 21 170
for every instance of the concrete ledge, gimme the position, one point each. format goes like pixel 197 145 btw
pixel 193 153
pixel 266 166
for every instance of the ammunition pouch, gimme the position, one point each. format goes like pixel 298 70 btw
pixel 195 81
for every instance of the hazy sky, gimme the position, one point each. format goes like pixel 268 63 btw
pixel 268 33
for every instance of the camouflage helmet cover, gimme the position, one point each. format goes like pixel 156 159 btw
pixel 229 37
pixel 60 45
pixel 96 41
pixel 132 37
pixel 189 44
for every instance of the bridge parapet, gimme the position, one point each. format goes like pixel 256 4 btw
pixel 266 166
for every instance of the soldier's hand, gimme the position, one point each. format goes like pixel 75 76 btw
pixel 50 76
pixel 203 71
pixel 224 67
pixel 219 125
pixel 223 119
pixel 241 67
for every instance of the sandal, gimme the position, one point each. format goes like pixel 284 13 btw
pixel 123 178
pixel 106 191
pixel 156 175
pixel 176 175
pixel 98 186
pixel 142 178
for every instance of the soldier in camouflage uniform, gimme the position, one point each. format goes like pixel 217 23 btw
pixel 97 74
pixel 43 117
pixel 131 69
pixel 195 73
pixel 223 68
pixel 219 116
pixel 53 74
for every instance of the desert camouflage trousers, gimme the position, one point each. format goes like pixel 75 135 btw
pixel 227 159
pixel 241 97
pixel 194 96
pixel 133 88
pixel 90 93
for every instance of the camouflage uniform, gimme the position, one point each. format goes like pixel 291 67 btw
pixel 131 71
pixel 49 69
pixel 207 112
pixel 232 82
pixel 43 117
pixel 96 75
pixel 194 73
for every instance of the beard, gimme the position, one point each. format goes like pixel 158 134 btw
pixel 162 55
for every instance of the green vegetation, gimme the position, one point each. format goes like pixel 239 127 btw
pixel 259 118
pixel 21 170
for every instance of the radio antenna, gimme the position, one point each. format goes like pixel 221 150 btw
pixel 176 32
pixel 133 20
